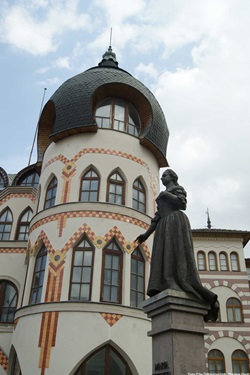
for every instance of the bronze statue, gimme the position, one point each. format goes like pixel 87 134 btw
pixel 173 264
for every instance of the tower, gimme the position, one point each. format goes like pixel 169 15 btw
pixel 102 138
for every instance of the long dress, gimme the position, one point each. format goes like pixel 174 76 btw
pixel 173 264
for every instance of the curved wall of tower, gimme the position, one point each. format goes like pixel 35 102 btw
pixel 72 310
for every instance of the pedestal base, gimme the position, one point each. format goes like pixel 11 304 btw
pixel 177 333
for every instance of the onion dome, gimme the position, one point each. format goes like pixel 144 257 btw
pixel 71 109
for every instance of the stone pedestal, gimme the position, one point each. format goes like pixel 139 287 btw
pixel 177 333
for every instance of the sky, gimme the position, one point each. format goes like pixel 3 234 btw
pixel 193 55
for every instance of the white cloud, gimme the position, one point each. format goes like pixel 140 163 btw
pixel 34 27
pixel 49 82
pixel 147 70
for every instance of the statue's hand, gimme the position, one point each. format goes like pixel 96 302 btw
pixel 140 239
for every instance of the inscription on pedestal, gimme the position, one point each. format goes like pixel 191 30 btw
pixel 162 366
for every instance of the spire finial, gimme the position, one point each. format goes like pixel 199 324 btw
pixel 209 226
pixel 109 57
pixel 110 38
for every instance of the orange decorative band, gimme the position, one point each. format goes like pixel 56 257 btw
pixel 47 338
pixel 18 195
pixel 13 250
pixel 102 151
pixel 88 213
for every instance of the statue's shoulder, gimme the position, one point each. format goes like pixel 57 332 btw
pixel 177 189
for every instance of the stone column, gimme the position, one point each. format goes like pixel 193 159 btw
pixel 177 333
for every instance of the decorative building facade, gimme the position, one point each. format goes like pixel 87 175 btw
pixel 72 279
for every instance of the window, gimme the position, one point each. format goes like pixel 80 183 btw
pixel 116 189
pixel 201 261
pixel 137 279
pixel 106 361
pixel 5 225
pixel 234 262
pixel 212 261
pixel 90 187
pixel 51 194
pixel 216 362
pixel 111 290
pixel 15 368
pixel 223 262
pixel 8 301
pixel 38 277
pixel 82 272
pixel 29 179
pixel 117 114
pixel 240 362
pixel 139 196
pixel 1 183
pixel 234 310
pixel 23 225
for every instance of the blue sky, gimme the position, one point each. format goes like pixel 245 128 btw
pixel 193 55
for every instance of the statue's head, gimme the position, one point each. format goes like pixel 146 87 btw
pixel 172 174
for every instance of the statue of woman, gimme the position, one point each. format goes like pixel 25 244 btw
pixel 173 265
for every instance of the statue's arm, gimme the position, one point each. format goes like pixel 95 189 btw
pixel 143 237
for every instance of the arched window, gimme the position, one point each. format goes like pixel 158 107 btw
pixel 139 196
pixel 51 193
pixel 29 179
pixel 111 289
pixel 116 189
pixel 234 310
pixel 15 368
pixel 223 262
pixel 1 183
pixel 240 362
pixel 23 225
pixel 137 279
pixel 216 362
pixel 201 260
pixel 38 276
pixel 90 187
pixel 106 361
pixel 117 114
pixel 234 262
pixel 5 225
pixel 8 301
pixel 212 261
pixel 82 271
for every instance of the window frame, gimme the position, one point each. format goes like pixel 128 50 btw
pixel 236 260
pixel 23 223
pixel 240 360
pixel 109 251
pixel 221 261
pixel 35 176
pixel 116 183
pixel 200 252
pixel 15 367
pixel 83 249
pixel 137 258
pixel 3 286
pixel 2 184
pixel 218 356
pixel 113 102
pixel 136 202
pixel 5 223
pixel 51 201
pixel 233 308
pixel 97 178
pixel 81 370
pixel 215 261
pixel 43 253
